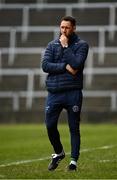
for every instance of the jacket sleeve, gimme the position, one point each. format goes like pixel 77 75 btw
pixel 77 59
pixel 48 64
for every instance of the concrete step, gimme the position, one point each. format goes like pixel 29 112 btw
pixel 49 17
pixel 110 60
pixel 111 42
pixel 10 17
pixel 35 39
pixel 4 39
pixel 13 83
pixel 102 82
pixel 26 60
pixel 91 16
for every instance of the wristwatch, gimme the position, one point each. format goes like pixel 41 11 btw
pixel 66 46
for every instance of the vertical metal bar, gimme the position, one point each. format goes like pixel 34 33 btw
pixel 101 42
pixel 113 101
pixel 30 87
pixel 89 64
pixel 0 65
pixel 25 23
pixel 11 56
pixel 68 11
pixel 15 102
pixel 112 16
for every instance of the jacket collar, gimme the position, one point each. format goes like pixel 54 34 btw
pixel 73 38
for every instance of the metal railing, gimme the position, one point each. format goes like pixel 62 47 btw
pixel 30 93
pixel 101 51
pixel 12 49
pixel 15 96
pixel 68 8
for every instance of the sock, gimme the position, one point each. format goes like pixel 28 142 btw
pixel 61 153
pixel 73 162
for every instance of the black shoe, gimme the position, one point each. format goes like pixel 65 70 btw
pixel 55 161
pixel 71 167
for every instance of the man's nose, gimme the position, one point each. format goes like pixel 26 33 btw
pixel 64 30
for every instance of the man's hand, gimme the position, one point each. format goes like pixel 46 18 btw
pixel 64 40
pixel 71 70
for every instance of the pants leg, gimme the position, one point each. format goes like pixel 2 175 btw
pixel 73 111
pixel 53 110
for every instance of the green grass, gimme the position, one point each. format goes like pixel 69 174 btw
pixel 26 142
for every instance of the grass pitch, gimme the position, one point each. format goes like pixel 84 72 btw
pixel 25 152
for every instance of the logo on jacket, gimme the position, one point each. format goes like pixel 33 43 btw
pixel 47 108
pixel 75 108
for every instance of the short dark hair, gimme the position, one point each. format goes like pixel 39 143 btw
pixel 69 18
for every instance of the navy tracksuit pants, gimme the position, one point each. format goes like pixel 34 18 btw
pixel 72 102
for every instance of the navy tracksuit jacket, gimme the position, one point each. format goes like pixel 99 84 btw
pixel 64 89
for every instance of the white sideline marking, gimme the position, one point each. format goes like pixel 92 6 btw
pixel 47 158
pixel 106 161
pixel 24 162
pixel 98 148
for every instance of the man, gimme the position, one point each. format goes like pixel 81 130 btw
pixel 64 60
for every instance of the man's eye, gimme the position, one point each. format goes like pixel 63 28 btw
pixel 65 27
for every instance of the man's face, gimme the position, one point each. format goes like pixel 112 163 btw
pixel 66 28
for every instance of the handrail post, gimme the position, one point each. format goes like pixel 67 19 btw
pixel 11 56
pixel 25 23
pixel 112 17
